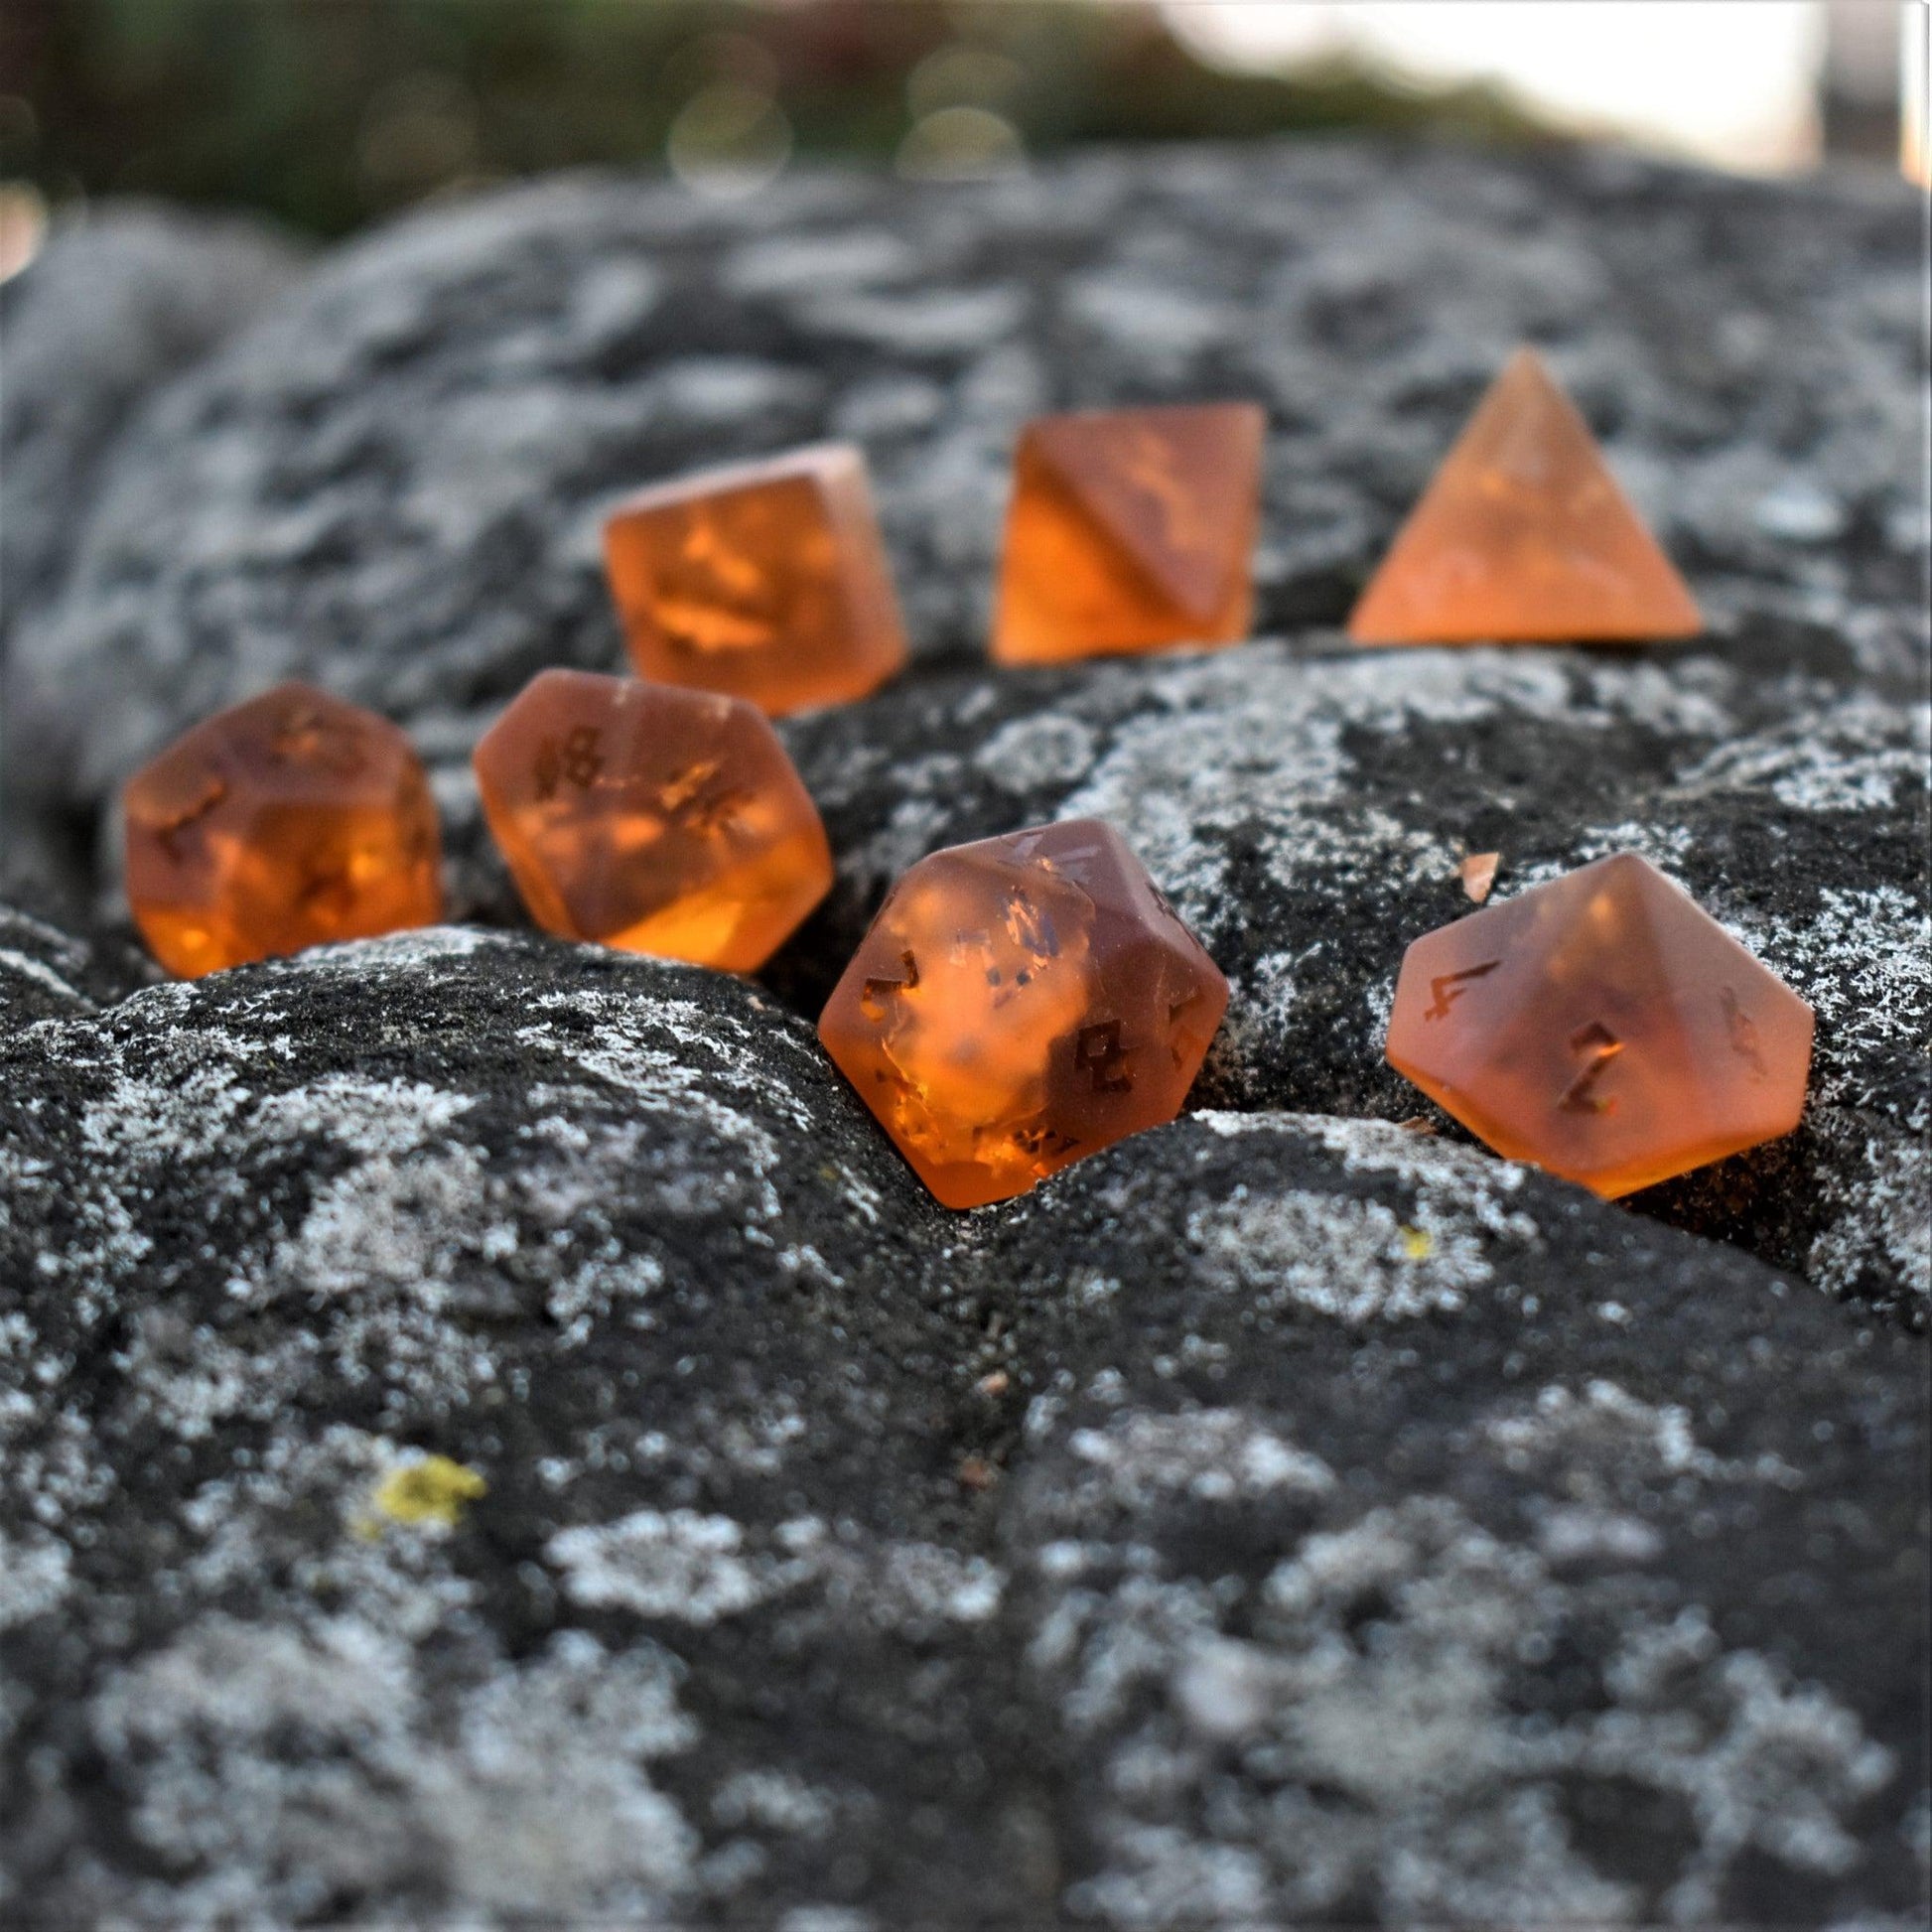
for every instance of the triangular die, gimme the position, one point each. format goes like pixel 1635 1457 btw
pixel 1172 487
pixel 1523 537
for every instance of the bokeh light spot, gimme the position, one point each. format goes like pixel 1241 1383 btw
pixel 961 144
pixel 729 139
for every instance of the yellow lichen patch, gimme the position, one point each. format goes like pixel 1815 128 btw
pixel 1417 1244
pixel 433 1489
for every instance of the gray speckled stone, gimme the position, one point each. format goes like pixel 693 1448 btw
pixel 1275 1517
pixel 1283 1517
pixel 394 482
pixel 48 973
pixel 118 300
pixel 1305 808
pixel 394 485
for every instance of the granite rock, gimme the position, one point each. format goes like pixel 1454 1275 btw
pixel 118 300
pixel 1273 1518
pixel 490 1428
pixel 1305 807
pixel 50 973
pixel 393 485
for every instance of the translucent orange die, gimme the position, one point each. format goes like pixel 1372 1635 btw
pixel 765 581
pixel 1603 1027
pixel 1524 536
pixel 658 820
pixel 1130 530
pixel 287 821
pixel 1021 1003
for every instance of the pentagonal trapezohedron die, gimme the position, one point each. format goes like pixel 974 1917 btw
pixel 286 821
pixel 1019 1003
pixel 1603 1027
pixel 655 819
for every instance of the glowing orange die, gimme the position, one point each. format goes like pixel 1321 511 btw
pixel 765 581
pixel 1603 1027
pixel 287 821
pixel 1130 530
pixel 662 821
pixel 1021 1003
pixel 1523 537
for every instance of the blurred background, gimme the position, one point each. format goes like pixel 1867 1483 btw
pixel 327 115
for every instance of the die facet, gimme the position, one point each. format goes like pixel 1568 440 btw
pixel 1524 536
pixel 654 819
pixel 1603 1027
pixel 287 821
pixel 1130 530
pixel 1021 1003
pixel 765 581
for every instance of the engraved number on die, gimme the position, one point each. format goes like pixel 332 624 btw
pixel 577 759
pixel 1097 1050
pixel 1741 1032
pixel 872 1001
pixel 172 828
pixel 1446 988
pixel 1601 1046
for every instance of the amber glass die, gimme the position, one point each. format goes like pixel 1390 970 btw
pixel 287 821
pixel 654 819
pixel 1130 530
pixel 1603 1027
pixel 1523 537
pixel 1021 1003
pixel 763 581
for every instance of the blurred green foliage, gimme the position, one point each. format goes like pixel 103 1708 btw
pixel 327 113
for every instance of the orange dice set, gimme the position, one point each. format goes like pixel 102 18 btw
pixel 287 821
pixel 1024 1001
pixel 765 581
pixel 1130 530
pixel 1603 1027
pixel 1021 1003
pixel 653 820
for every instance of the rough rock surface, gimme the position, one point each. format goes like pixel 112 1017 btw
pixel 118 300
pixel 48 973
pixel 1273 1518
pixel 491 1429
pixel 395 481
pixel 1306 809
pixel 394 485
